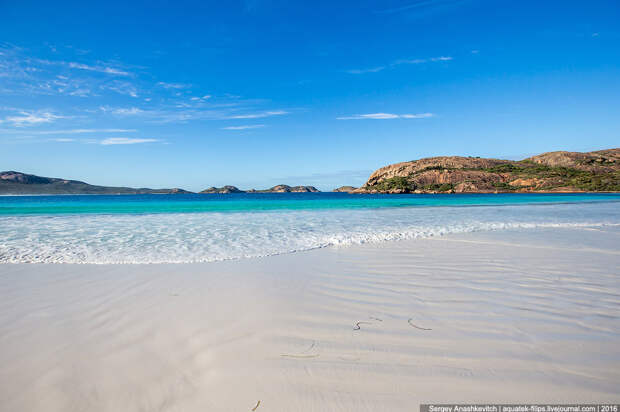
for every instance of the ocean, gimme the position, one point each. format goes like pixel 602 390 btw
pixel 203 228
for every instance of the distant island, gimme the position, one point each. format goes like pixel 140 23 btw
pixel 554 172
pixel 17 183
pixel 548 172
pixel 275 189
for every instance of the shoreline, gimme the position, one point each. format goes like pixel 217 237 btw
pixel 529 315
pixel 320 191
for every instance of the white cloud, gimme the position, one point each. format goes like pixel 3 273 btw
pixel 385 116
pixel 258 115
pixel 422 6
pixel 63 140
pixel 422 61
pixel 200 99
pixel 80 92
pixel 100 69
pixel 31 118
pixel 122 111
pixel 417 116
pixel 399 62
pixel 121 87
pixel 166 85
pixel 69 131
pixel 124 140
pixel 244 127
pixel 362 71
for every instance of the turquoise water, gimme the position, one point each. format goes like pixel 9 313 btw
pixel 205 228
pixel 142 204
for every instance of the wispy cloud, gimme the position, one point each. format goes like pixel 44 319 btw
pixel 98 84
pixel 24 74
pixel 421 5
pixel 100 69
pixel 122 111
pixel 370 70
pixel 386 116
pixel 63 140
pixel 422 61
pixel 31 118
pixel 166 85
pixel 401 62
pixel 203 98
pixel 258 115
pixel 121 87
pixel 125 140
pixel 64 132
pixel 166 114
pixel 244 127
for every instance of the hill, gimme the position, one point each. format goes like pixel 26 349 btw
pixel 17 183
pixel 548 172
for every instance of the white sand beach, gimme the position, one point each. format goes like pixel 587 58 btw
pixel 505 316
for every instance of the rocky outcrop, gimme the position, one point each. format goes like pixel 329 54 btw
pixel 224 189
pixel 286 189
pixel 345 189
pixel 599 161
pixel 430 164
pixel 275 189
pixel 548 172
pixel 18 183
pixel 292 189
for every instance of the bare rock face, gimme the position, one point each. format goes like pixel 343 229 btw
pixel 548 172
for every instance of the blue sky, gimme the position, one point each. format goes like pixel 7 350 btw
pixel 256 93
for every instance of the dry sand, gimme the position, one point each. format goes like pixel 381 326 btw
pixel 512 316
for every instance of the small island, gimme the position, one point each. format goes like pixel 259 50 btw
pixel 274 189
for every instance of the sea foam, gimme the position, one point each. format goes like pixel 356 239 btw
pixel 207 237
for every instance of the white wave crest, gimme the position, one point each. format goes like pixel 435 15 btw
pixel 207 237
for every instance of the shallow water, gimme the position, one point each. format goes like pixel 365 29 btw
pixel 203 228
pixel 252 202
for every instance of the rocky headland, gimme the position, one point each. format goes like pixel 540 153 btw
pixel 597 171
